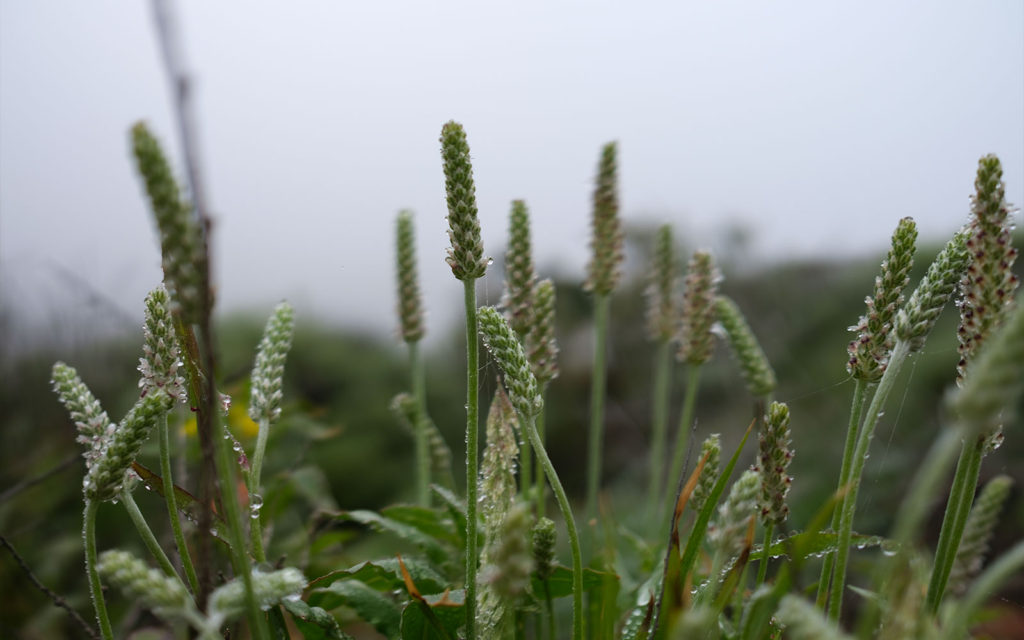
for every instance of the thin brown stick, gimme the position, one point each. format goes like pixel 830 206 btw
pixel 56 599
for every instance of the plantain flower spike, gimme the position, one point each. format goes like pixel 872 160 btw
pixel 498 470
pixel 106 476
pixel 774 456
pixel 541 345
pixel 161 355
pixel 757 371
pixel 519 273
pixel 869 353
pixel 410 303
pixel 507 351
pixel 466 254
pixel 712 448
pixel 915 320
pixel 987 290
pixel 268 373
pixel 93 424
pixel 606 242
pixel 543 547
pixel 269 589
pixel 182 246
pixel 735 513
pixel 661 288
pixel 698 312
pixel 978 532
pixel 164 595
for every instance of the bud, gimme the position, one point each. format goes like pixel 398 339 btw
pixel 541 346
pixel 698 313
pixel 466 254
pixel 757 372
pixel 410 306
pixel 606 242
pixel 267 378
pixel 519 276
pixel 507 351
pixel 661 288
pixel 774 456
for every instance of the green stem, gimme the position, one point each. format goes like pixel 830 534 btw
pixel 549 603
pixel 146 533
pixel 472 429
pixel 172 506
pixel 419 393
pixel 683 434
pixel 570 525
pixel 597 392
pixel 95 586
pixel 860 457
pixel 955 519
pixel 539 490
pixel 526 465
pixel 856 411
pixel 659 426
pixel 255 475
pixel 1008 565
pixel 762 570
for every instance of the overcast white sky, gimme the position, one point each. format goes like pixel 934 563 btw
pixel 817 124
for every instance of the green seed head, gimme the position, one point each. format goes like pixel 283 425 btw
pixel 507 351
pixel 93 424
pixel 712 448
pixel 541 346
pixel 268 373
pixel 915 320
pixel 661 288
pixel 544 539
pixel 804 621
pixel 182 246
pixel 774 456
pixel 161 356
pixel 987 289
pixel 757 372
pixel 519 275
pixel 164 595
pixel 510 561
pixel 606 243
pixel 466 254
pixel 869 353
pixel 410 306
pixel 106 476
pixel 498 469
pixel 735 513
pixel 269 589
pixel 698 313
pixel 978 532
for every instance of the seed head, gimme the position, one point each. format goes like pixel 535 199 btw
pixel 978 532
pixel 466 254
pixel 712 448
pixel 519 275
pixel 606 242
pixel 93 424
pixel 661 288
pixel 161 356
pixel 498 470
pixel 544 547
pixel 987 289
pixel 915 320
pixel 774 456
pixel 106 476
pixel 269 589
pixel 541 346
pixel 735 513
pixel 182 245
pixel 869 353
pixel 268 373
pixel 164 595
pixel 757 371
pixel 698 313
pixel 510 561
pixel 507 351
pixel 410 306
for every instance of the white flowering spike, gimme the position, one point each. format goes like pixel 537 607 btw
pixel 161 355
pixel 164 595
pixel 93 423
pixel 106 476
pixel 268 372
pixel 269 589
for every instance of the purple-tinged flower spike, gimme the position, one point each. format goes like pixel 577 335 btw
pixel 698 312
pixel 757 371
pixel 181 238
pixel 507 351
pixel 541 345
pixel 606 243
pixel 410 304
pixel 519 273
pixel 869 353
pixel 466 254
pixel 662 300
pixel 774 456
pixel 268 373
pixel 915 320
pixel 987 290
pixel 161 355
pixel 93 424
pixel 106 476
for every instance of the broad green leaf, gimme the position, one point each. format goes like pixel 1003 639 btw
pixel 436 617
pixel 434 549
pixel 314 622
pixel 560 581
pixel 371 605
pixel 384 575
pixel 428 521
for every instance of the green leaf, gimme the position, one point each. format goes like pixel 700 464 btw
pixel 384 575
pixel 434 549
pixel 456 509
pixel 371 605
pixel 314 622
pixel 810 543
pixel 560 581
pixel 428 521
pixel 436 617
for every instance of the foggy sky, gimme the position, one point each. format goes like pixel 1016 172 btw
pixel 816 124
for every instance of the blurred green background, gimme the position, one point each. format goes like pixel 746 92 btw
pixel 339 446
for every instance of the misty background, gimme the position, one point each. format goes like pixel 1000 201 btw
pixel 795 129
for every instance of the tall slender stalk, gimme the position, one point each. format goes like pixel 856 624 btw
pixel 595 440
pixel 685 424
pixel 539 424
pixel 172 506
pixel 95 586
pixel 659 427
pixel 419 394
pixel 472 455
pixel 146 533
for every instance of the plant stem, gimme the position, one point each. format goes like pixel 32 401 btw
pixel 172 506
pixel 955 519
pixel 419 394
pixel 597 392
pixel 762 570
pixel 860 456
pixel 659 426
pixel 146 533
pixel 539 490
pixel 856 411
pixel 685 422
pixel 95 586
pixel 525 464
pixel 570 525
pixel 472 429
pixel 255 473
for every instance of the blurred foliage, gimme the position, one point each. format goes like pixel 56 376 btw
pixel 338 446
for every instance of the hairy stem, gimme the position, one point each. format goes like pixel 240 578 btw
pixel 255 473
pixel 172 506
pixel 539 490
pixel 146 533
pixel 762 569
pixel 419 393
pixel 595 441
pixel 95 586
pixel 472 462
pixel 659 426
